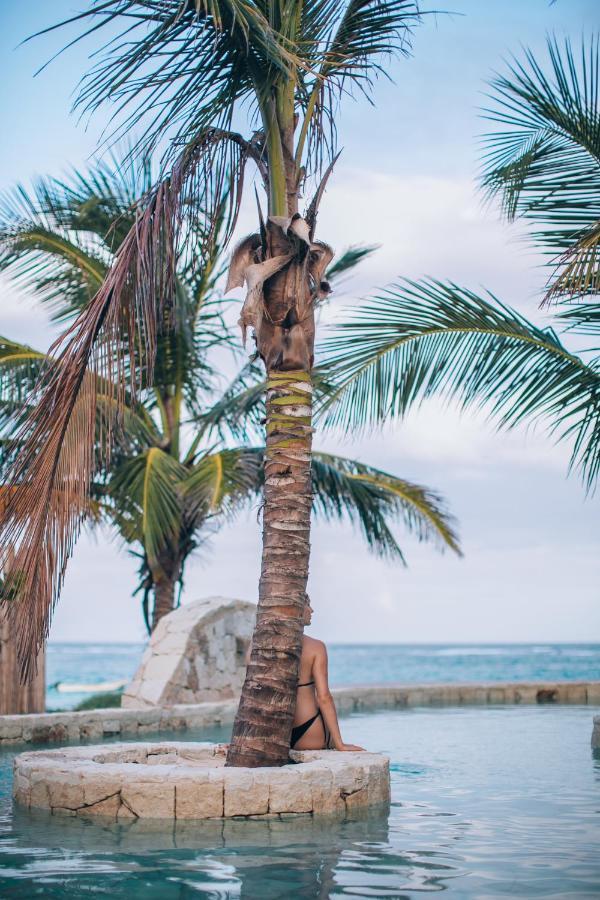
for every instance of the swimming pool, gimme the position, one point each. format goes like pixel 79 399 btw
pixel 486 802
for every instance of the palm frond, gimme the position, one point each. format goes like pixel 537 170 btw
pixel 112 342
pixel 177 66
pixel 372 499
pixel 347 44
pixel 102 200
pixel 544 162
pixel 150 487
pixel 337 274
pixel 240 410
pixel 38 252
pixel 426 337
pixel 582 318
pixel 578 269
pixel 222 480
pixel 20 367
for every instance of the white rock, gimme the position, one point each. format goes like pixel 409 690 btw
pixel 185 780
pixel 196 654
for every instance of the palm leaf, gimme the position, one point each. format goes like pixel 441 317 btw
pixel 20 368
pixel 221 480
pixel 372 499
pixel 544 162
pixel 178 66
pixel 426 337
pixel 342 489
pixel 112 343
pixel 63 269
pixel 347 44
pixel 582 318
pixel 240 410
pixel 150 486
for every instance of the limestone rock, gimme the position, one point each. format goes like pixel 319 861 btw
pixel 181 780
pixel 195 654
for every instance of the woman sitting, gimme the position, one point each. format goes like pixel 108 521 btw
pixel 315 722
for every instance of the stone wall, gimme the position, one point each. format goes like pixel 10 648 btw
pixel 184 780
pixel 196 654
pixel 92 725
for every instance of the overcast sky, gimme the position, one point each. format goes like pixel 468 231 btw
pixel 406 180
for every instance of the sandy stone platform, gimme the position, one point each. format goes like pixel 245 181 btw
pixel 185 780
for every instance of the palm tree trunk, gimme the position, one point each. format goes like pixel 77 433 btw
pixel 164 598
pixel 17 696
pixel 262 728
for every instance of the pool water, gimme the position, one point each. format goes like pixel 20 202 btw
pixel 486 802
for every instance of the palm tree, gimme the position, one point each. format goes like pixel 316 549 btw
pixel 160 490
pixel 423 337
pixel 185 72
pixel 181 463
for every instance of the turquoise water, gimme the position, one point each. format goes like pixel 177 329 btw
pixel 486 802
pixel 356 664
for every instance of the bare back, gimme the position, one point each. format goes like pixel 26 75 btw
pixel 306 700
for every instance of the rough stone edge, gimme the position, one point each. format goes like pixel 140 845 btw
pixel 77 726
pixel 88 782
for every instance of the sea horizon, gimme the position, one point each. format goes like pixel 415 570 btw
pixel 469 643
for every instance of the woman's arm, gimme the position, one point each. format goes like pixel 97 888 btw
pixel 326 701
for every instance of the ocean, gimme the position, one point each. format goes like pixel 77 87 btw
pixel 353 664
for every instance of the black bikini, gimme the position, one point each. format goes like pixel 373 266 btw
pixel 300 730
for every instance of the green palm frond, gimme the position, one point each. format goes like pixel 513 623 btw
pixel 544 162
pixel 240 410
pixel 20 367
pixel 177 67
pixel 581 318
pixel 372 499
pixel 38 253
pixel 347 261
pixel 148 489
pixel 221 480
pixel 426 337
pixel 180 65
pixel 347 44
pixel 101 200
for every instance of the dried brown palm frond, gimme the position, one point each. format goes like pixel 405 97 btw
pixel 112 345
pixel 283 270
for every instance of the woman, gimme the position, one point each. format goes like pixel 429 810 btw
pixel 315 722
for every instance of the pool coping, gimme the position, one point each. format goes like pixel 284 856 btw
pixel 40 728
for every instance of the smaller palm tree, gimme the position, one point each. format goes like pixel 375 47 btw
pixel 419 338
pixel 183 462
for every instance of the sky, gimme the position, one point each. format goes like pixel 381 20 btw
pixel 407 181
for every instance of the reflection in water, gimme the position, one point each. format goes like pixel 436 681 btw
pixel 320 857
pixel 485 803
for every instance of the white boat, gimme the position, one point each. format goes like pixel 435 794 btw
pixel 72 688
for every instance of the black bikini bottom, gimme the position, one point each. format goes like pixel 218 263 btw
pixel 301 730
